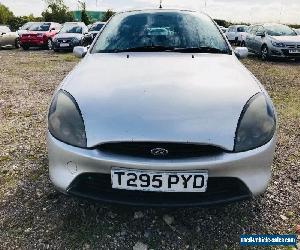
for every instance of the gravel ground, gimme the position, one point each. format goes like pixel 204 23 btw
pixel 34 216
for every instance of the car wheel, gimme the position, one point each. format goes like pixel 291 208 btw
pixel 49 44
pixel 264 53
pixel 25 47
pixel 17 43
pixel 236 40
pixel 55 50
pixel 243 44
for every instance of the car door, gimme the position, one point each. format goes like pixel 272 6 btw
pixel 251 37
pixel 258 40
pixel 230 33
pixel 4 36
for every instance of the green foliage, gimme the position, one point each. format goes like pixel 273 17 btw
pixel 107 15
pixel 17 21
pixel 5 14
pixel 226 24
pixel 57 11
pixel 295 26
pixel 84 16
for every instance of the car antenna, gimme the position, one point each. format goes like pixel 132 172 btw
pixel 160 4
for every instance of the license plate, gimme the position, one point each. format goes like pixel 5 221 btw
pixel 64 45
pixel 152 181
pixel 294 51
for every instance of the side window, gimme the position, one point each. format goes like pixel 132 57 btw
pixel 253 30
pixel 260 29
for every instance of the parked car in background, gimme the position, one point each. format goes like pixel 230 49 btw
pixel 71 34
pixel 39 35
pixel 137 122
pixel 297 31
pixel 236 34
pixel 93 31
pixel 273 40
pixel 223 28
pixel 8 38
pixel 24 29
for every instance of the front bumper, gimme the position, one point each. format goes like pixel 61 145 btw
pixel 236 175
pixel 72 44
pixel 282 53
pixel 35 42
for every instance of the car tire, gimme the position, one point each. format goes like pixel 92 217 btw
pixel 17 43
pixel 55 50
pixel 25 47
pixel 243 44
pixel 236 41
pixel 49 44
pixel 264 53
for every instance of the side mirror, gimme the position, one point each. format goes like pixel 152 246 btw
pixel 241 52
pixel 261 34
pixel 80 51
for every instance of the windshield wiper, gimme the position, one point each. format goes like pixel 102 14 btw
pixel 204 49
pixel 140 49
pixel 156 48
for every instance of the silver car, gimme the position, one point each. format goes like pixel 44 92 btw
pixel 273 40
pixel 161 118
pixel 8 38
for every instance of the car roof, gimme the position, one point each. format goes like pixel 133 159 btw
pixel 75 23
pixel 98 22
pixel 159 10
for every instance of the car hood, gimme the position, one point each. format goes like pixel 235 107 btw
pixel 287 39
pixel 35 32
pixel 165 97
pixel 69 35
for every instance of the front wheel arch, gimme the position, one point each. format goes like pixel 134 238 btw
pixel 264 52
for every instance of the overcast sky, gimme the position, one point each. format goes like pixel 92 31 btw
pixel 285 11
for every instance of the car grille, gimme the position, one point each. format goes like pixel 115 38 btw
pixel 64 40
pixel 293 46
pixel 287 53
pixel 175 150
pixel 98 187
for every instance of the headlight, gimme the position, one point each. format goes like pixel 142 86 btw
pixel 65 122
pixel 257 124
pixel 276 44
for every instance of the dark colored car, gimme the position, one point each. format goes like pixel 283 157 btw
pixel 93 31
pixel 39 35
pixel 71 34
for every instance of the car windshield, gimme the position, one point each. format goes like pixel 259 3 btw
pixel 279 30
pixel 71 28
pixel 161 31
pixel 242 29
pixel 26 26
pixel 40 27
pixel 96 27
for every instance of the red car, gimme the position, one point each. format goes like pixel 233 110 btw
pixel 39 35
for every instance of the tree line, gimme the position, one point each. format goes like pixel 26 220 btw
pixel 56 11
